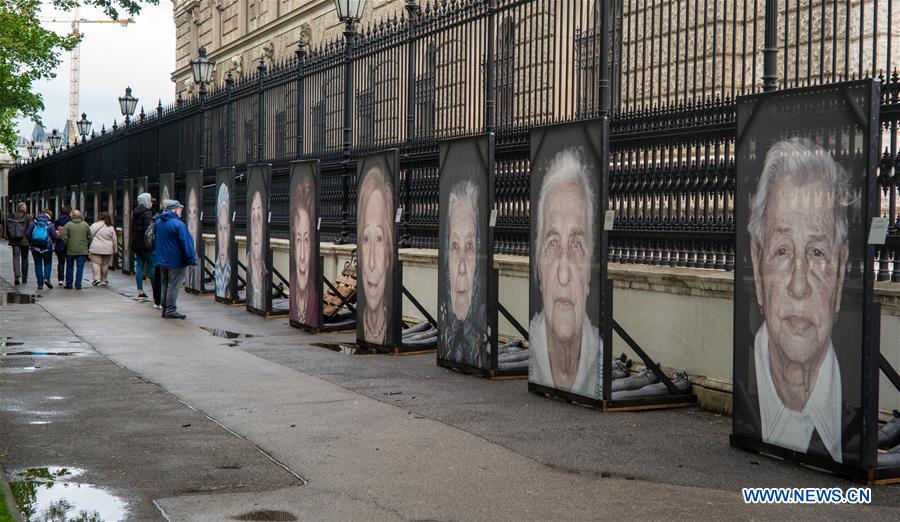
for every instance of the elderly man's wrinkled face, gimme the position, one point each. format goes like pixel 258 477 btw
pixel 565 262
pixel 302 241
pixel 799 269
pixel 256 226
pixel 374 249
pixel 461 258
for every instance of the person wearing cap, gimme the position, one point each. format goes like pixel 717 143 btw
pixel 173 253
pixel 141 219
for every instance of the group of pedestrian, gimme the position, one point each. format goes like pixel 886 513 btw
pixel 163 249
pixel 69 237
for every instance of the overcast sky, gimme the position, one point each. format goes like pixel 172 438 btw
pixel 141 55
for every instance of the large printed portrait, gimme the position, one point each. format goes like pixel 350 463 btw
pixel 224 269
pixel 565 335
pixel 376 242
pixel 464 258
pixel 194 188
pixel 127 191
pixel 801 210
pixel 166 188
pixel 258 276
pixel 305 306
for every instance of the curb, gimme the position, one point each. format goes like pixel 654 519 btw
pixel 10 500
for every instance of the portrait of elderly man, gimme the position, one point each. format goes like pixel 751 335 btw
pixel 304 298
pixel 566 348
pixel 222 269
pixel 799 250
pixel 193 226
pixel 256 263
pixel 462 310
pixel 375 247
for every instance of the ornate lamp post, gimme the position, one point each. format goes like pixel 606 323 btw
pixel 84 127
pixel 202 69
pixel 33 149
pixel 127 104
pixel 55 138
pixel 350 12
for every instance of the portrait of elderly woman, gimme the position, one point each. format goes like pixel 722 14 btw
pixel 304 302
pixel 375 249
pixel 461 309
pixel 222 269
pixel 566 347
pixel 256 265
pixel 799 249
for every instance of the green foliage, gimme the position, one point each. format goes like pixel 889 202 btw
pixel 29 52
pixel 5 515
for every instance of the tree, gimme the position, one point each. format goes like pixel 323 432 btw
pixel 29 52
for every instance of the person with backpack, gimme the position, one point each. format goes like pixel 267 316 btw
pixel 77 237
pixel 173 253
pixel 41 234
pixel 17 232
pixel 141 220
pixel 58 246
pixel 103 246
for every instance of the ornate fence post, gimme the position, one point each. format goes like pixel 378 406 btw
pixel 412 7
pixel 770 47
pixel 301 60
pixel 490 101
pixel 261 111
pixel 229 124
pixel 349 37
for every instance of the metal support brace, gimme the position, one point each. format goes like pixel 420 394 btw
pixel 663 378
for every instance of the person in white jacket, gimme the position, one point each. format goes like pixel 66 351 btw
pixel 103 246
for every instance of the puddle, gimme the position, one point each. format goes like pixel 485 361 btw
pixel 4 343
pixel 47 494
pixel 8 298
pixel 345 348
pixel 43 354
pixel 38 423
pixel 266 514
pixel 225 334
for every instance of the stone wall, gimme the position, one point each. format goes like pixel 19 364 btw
pixel 682 317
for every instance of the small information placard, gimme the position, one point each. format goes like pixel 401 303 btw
pixel 493 217
pixel 399 214
pixel 609 220
pixel 878 231
pixel 319 224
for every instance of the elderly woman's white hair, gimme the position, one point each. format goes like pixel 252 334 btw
pixel 567 165
pixel 802 161
pixel 145 199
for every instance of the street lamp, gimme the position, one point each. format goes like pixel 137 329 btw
pixel 127 104
pixel 33 149
pixel 350 9
pixel 84 126
pixel 349 12
pixel 202 69
pixel 55 138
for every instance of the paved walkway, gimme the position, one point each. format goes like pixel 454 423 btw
pixel 373 437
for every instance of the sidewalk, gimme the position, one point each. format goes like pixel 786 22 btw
pixel 381 437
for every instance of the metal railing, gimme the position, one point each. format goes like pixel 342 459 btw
pixel 676 67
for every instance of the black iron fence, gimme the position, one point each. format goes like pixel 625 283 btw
pixel 450 68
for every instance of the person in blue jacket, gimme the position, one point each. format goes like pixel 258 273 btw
pixel 41 244
pixel 173 251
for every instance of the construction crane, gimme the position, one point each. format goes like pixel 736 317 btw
pixel 75 62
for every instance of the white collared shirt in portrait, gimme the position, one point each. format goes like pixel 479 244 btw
pixel 792 429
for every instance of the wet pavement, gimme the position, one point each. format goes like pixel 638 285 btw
pixel 80 434
pixel 377 437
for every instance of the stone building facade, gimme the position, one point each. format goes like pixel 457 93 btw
pixel 237 33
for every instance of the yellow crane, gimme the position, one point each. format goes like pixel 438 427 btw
pixel 75 62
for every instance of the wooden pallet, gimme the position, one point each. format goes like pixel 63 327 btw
pixel 345 283
pixel 659 402
pixel 494 375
